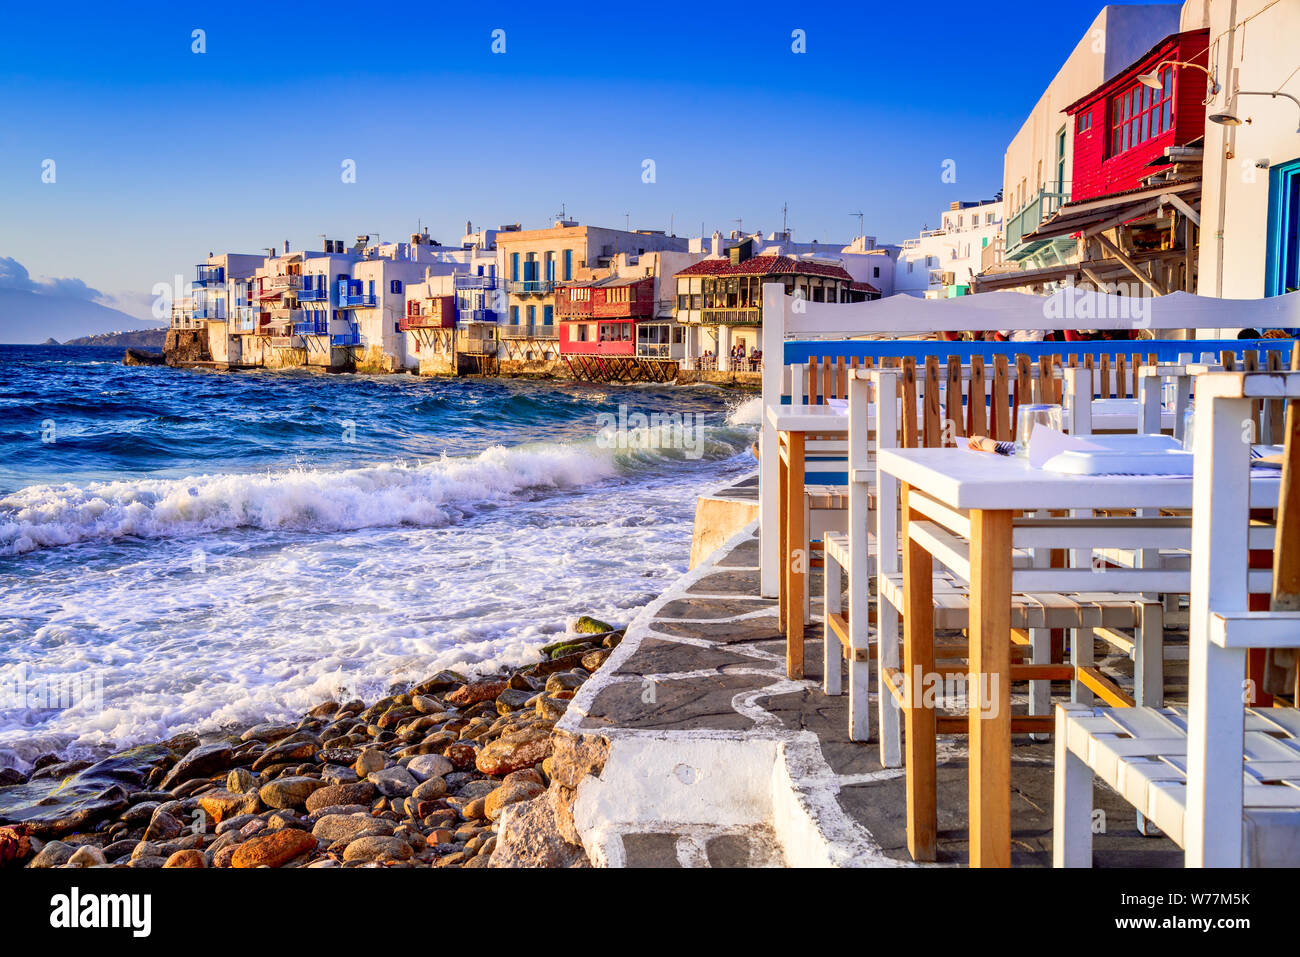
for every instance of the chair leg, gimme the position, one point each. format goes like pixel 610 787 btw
pixel 832 655
pixel 1149 657
pixel 1071 805
pixel 1081 656
pixel 890 716
pixel 1040 692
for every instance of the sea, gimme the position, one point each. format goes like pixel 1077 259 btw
pixel 187 550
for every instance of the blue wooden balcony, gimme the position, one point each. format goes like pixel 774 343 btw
pixel 312 328
pixel 319 294
pixel 209 275
pixel 346 339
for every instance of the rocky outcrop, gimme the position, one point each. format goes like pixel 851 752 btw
pixel 140 357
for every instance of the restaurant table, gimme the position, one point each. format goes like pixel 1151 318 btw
pixel 989 491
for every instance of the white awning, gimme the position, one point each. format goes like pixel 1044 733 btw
pixel 1069 308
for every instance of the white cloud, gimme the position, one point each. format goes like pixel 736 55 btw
pixel 14 275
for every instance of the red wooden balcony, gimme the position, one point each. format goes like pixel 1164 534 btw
pixel 436 312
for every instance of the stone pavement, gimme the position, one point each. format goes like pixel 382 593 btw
pixel 717 759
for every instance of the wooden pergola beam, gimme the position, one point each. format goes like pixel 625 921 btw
pixel 1130 265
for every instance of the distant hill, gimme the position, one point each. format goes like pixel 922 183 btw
pixel 28 318
pixel 131 339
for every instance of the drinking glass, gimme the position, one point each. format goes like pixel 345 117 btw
pixel 1031 415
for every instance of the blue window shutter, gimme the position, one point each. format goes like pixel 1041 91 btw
pixel 514 267
pixel 548 313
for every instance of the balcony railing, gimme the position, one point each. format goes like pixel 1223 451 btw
pixel 210 276
pixel 345 339
pixel 531 287
pixel 476 282
pixel 355 300
pixel 312 327
pixel 282 283
pixel 480 315
pixel 732 317
pixel 524 330
pixel 1030 217
pixel 478 345
pixel 215 311
pixel 313 295
pixel 428 320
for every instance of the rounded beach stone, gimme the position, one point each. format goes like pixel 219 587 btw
pixel 273 849
pixel 362 792
pixel 377 848
pixel 289 792
pixel 190 858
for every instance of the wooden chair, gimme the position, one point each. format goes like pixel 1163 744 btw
pixel 1198 770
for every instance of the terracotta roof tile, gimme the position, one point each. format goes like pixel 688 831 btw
pixel 765 266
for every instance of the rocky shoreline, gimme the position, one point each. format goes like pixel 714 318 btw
pixel 449 772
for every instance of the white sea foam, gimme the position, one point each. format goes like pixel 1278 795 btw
pixel 270 625
pixel 428 493
pixel 747 412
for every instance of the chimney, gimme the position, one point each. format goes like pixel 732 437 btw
pixel 717 243
pixel 286 247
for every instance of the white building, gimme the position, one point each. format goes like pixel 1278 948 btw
pixel 939 263
pixel 1250 192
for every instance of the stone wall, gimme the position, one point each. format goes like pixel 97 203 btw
pixel 738 380
pixel 187 347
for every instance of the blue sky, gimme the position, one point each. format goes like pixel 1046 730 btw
pixel 163 155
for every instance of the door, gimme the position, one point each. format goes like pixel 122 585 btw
pixel 1282 271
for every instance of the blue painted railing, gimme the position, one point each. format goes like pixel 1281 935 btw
pixel 345 339
pixel 798 351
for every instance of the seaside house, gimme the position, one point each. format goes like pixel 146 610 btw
pixel 1132 217
pixel 1038 167
pixel 720 301
pixel 373 300
pixel 536 261
pixel 219 289
pixel 320 317
pixel 940 263
pixel 429 323
pixel 273 296
pixel 620 323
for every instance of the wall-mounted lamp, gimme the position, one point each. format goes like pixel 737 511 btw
pixel 1230 118
pixel 1154 81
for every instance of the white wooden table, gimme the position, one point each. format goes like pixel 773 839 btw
pixel 976 496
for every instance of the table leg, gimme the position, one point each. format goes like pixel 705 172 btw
pixel 990 689
pixel 796 557
pixel 918 715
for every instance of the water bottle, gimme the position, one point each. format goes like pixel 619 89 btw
pixel 1189 425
